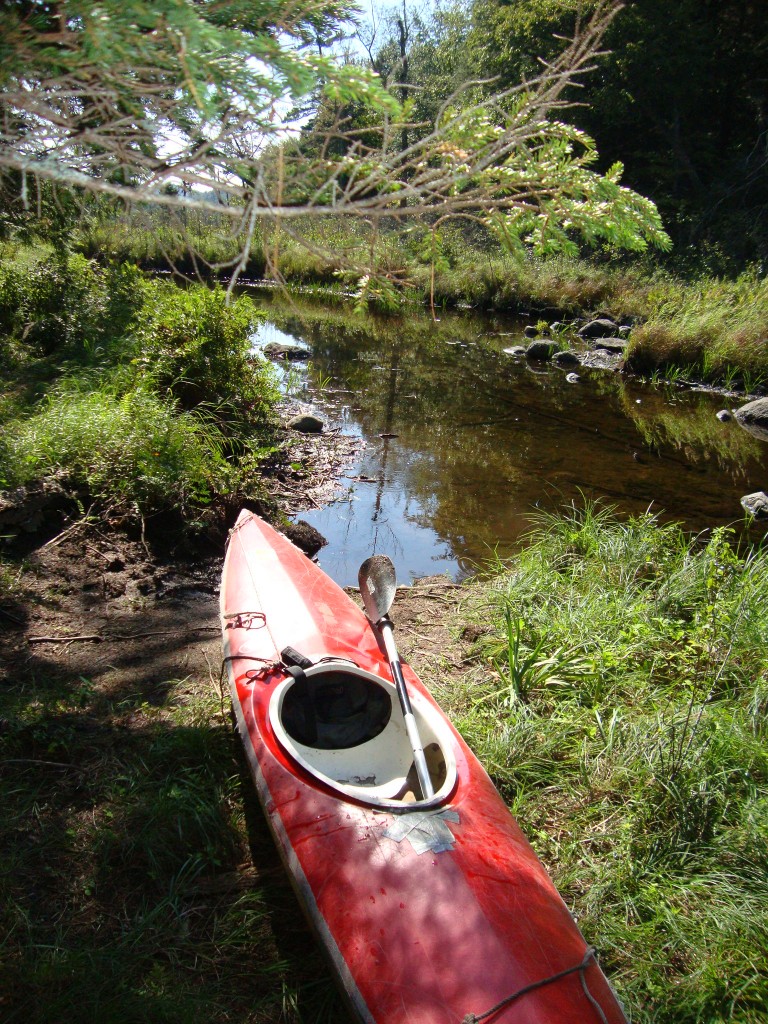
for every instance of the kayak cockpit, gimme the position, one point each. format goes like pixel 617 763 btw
pixel 344 726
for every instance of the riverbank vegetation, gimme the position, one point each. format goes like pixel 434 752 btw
pixel 140 396
pixel 692 325
pixel 621 708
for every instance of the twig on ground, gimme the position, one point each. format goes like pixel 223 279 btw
pixel 102 637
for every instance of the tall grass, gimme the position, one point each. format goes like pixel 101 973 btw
pixel 129 449
pixel 139 394
pixel 717 328
pixel 636 757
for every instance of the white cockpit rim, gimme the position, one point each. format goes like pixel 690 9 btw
pixel 344 726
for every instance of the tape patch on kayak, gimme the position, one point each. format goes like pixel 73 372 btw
pixel 427 831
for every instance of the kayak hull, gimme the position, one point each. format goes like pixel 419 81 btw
pixel 430 911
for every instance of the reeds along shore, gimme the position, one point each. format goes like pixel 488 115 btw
pixel 703 325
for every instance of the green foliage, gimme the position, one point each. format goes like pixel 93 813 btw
pixel 643 781
pixel 62 303
pixel 675 98
pixel 147 386
pixel 197 345
pixel 128 449
pixel 209 59
pixel 523 671
pixel 194 242
pixel 717 328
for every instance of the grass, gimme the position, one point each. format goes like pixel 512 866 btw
pixel 622 711
pixel 717 328
pixel 122 892
pixel 131 449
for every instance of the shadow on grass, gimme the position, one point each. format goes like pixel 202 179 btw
pixel 127 891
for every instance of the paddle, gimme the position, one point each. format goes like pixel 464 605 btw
pixel 378 585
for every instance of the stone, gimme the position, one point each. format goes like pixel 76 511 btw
pixel 515 350
pixel 531 331
pixel 601 359
pixel 572 378
pixel 305 537
pixel 306 424
pixel 600 328
pixel 754 417
pixel 541 349
pixel 611 344
pixel 277 350
pixel 724 416
pixel 36 507
pixel 756 504
pixel 567 358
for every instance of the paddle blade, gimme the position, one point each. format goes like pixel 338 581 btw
pixel 378 585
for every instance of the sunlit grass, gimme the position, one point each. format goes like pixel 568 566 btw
pixel 642 779
pixel 717 328
pixel 130 449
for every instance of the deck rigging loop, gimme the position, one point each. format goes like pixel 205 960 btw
pixel 266 665
pixel 245 620
pixel 590 954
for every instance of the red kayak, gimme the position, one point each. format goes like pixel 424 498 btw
pixel 432 910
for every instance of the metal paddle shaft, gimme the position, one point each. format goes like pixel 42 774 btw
pixel 378 585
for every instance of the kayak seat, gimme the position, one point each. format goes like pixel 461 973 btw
pixel 335 710
pixel 344 726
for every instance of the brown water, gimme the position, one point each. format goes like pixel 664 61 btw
pixel 481 439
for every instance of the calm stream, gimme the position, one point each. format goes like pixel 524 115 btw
pixel 464 442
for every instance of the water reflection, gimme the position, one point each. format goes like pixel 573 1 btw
pixel 463 440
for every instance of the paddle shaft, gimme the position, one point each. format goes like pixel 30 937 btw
pixel 387 633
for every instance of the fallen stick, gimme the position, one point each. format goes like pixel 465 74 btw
pixel 101 637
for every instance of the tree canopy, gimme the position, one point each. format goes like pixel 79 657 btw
pixel 680 97
pixel 128 97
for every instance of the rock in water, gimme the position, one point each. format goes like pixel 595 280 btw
pixel 278 350
pixel 600 328
pixel 756 504
pixel 542 349
pixel 567 358
pixel 305 537
pixel 754 417
pixel 306 424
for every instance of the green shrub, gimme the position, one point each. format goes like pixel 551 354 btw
pixel 61 303
pixel 193 343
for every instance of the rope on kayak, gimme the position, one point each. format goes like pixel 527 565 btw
pixel 475 1018
pixel 245 620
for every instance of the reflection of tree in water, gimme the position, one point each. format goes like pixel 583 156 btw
pixel 483 439
pixel 386 433
pixel 686 423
